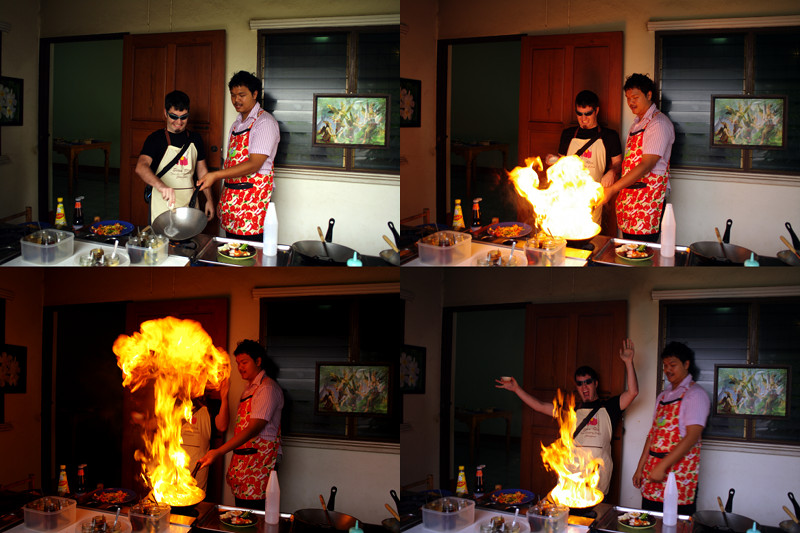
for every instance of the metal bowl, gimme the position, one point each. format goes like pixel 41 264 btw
pixel 790 526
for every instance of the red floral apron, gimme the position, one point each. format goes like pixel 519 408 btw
pixel 252 462
pixel 664 437
pixel 242 210
pixel 639 209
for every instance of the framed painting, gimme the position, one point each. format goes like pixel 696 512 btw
pixel 410 101
pixel 757 122
pixel 13 369
pixel 752 391
pixel 10 101
pixel 412 370
pixel 353 389
pixel 351 120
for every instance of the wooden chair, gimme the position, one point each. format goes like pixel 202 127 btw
pixel 427 483
pixel 22 484
pixel 425 216
pixel 28 214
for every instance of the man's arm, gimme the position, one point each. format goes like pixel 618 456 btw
pixel 253 428
pixel 147 175
pixel 626 354
pixel 537 405
pixel 202 170
pixel 253 163
pixel 638 172
pixel 223 417
pixel 612 172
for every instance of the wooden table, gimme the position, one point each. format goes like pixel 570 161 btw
pixel 470 153
pixel 71 151
pixel 474 419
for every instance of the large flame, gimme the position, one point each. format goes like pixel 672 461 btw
pixel 178 356
pixel 578 472
pixel 564 207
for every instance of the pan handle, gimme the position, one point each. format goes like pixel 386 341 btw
pixel 329 234
pixel 729 503
pixel 726 238
pixel 793 235
pixel 332 497
pixel 394 234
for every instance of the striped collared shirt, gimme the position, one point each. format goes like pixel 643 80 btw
pixel 695 405
pixel 264 135
pixel 266 403
pixel 659 134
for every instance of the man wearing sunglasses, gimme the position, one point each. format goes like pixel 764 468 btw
pixel 596 417
pixel 169 159
pixel 598 147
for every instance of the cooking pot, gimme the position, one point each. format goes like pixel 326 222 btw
pixel 720 522
pixel 713 253
pixel 324 253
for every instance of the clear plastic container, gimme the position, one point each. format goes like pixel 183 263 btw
pixel 445 248
pixel 551 519
pixel 546 252
pixel 50 513
pixel 87 526
pixel 47 246
pixel 149 517
pixel 151 250
pixel 448 514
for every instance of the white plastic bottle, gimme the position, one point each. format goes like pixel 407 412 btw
pixel 272 507
pixel 670 517
pixel 271 230
pixel 668 232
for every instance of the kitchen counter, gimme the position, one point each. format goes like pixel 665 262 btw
pixel 83 247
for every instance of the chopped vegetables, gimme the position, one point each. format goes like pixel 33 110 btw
pixel 109 229
pixel 636 519
pixel 506 232
pixel 237 249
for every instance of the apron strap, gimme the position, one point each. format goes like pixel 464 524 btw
pixel 585 421
pixel 175 160
pixel 589 143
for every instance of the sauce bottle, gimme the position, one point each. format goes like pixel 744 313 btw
pixel 63 486
pixel 476 213
pixel 272 513
pixel 461 484
pixel 81 487
pixel 479 482
pixel 61 218
pixel 77 218
pixel 458 216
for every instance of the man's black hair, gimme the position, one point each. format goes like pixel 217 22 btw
pixel 683 353
pixel 256 351
pixel 177 99
pixel 586 371
pixel 643 83
pixel 246 79
pixel 587 99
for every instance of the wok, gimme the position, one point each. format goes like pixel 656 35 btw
pixel 315 519
pixel 719 253
pixel 720 522
pixel 188 222
pixel 324 253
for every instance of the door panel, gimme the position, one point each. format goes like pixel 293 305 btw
pixel 153 65
pixel 212 314
pixel 558 339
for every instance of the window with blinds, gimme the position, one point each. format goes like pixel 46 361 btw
pixel 300 332
pixel 764 332
pixel 296 65
pixel 693 66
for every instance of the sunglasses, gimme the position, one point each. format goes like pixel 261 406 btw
pixel 173 116
pixel 587 114
pixel 587 381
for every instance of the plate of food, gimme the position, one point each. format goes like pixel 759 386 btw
pixel 238 518
pixel 112 228
pixel 634 252
pixel 115 496
pixel 513 496
pixel 237 253
pixel 637 520
pixel 509 230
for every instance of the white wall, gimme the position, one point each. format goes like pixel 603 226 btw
pixel 764 478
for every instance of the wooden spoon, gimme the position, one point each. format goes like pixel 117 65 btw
pixel 391 244
pixel 394 513
pixel 321 499
pixel 791 514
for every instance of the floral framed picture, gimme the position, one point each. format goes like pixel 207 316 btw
pixel 752 391
pixel 351 120
pixel 353 389
pixel 412 370
pixel 757 122
pixel 10 101
pixel 410 100
pixel 13 369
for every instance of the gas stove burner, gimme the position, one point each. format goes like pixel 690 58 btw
pixel 189 510
pixel 586 512
pixel 582 246
pixel 187 244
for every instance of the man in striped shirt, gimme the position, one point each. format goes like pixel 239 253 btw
pixel 645 169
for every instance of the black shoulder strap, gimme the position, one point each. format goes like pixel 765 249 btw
pixel 175 159
pixel 585 421
pixel 590 142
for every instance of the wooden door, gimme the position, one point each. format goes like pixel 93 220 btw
pixel 153 65
pixel 558 339
pixel 212 314
pixel 554 69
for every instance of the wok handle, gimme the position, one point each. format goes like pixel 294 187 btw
pixel 394 234
pixel 729 504
pixel 793 235
pixel 332 498
pixel 329 234
pixel 395 498
pixel 796 506
pixel 726 238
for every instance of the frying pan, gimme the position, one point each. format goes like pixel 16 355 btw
pixel 720 522
pixel 188 222
pixel 315 519
pixel 323 253
pixel 716 253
